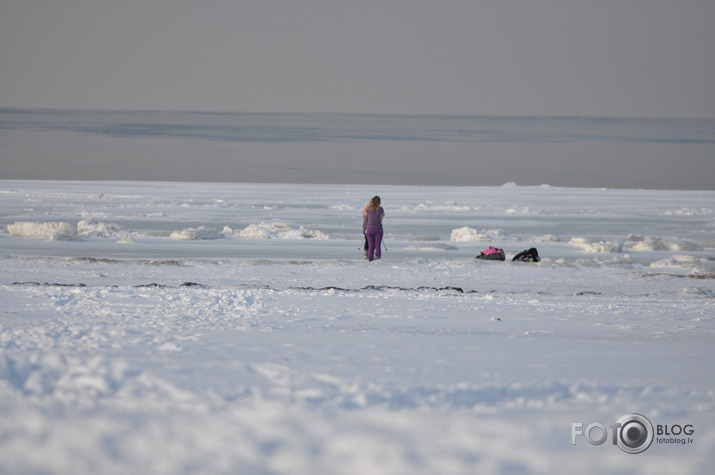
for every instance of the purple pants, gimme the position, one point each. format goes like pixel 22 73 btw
pixel 374 241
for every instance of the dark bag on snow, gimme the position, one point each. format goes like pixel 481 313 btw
pixel 492 253
pixel 530 255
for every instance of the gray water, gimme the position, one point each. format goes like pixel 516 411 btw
pixel 357 149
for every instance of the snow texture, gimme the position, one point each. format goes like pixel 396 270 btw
pixel 178 328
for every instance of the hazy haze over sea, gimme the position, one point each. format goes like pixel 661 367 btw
pixel 357 148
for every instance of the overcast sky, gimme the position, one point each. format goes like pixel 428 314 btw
pixel 637 58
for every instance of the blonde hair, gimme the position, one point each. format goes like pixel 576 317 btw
pixel 374 203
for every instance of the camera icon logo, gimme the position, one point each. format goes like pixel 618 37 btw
pixel 634 433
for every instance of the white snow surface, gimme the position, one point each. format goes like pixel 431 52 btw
pixel 181 328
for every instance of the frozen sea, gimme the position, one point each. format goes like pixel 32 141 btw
pixel 222 327
pixel 162 327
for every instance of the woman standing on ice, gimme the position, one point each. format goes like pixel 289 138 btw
pixel 372 217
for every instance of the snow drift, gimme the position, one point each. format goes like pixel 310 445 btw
pixel 257 340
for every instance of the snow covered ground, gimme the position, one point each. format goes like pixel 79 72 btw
pixel 185 328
